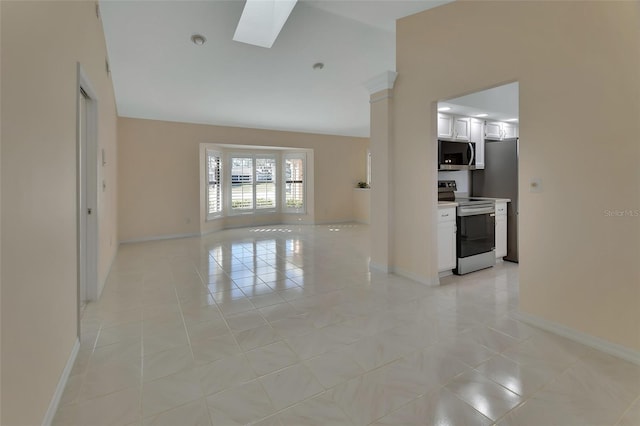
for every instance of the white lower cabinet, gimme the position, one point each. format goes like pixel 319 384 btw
pixel 446 239
pixel 501 230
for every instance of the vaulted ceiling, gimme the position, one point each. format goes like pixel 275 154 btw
pixel 158 73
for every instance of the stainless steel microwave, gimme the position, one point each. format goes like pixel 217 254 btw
pixel 456 155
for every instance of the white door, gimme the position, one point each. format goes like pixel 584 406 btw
pixel 82 216
pixel 87 172
pixel 446 239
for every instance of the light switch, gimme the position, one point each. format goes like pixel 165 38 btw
pixel 535 185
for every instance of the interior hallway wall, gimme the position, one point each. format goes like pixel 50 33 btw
pixel 41 45
pixel 0 217
pixel 578 66
pixel 159 172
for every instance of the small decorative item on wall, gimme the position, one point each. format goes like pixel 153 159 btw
pixel 363 185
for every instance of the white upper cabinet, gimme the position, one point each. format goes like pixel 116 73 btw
pixel 462 128
pixel 454 127
pixel 477 136
pixel 445 126
pixel 493 130
pixel 498 130
pixel 509 130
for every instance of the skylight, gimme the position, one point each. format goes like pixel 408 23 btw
pixel 262 21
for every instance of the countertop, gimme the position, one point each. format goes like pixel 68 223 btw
pixel 443 204
pixel 497 200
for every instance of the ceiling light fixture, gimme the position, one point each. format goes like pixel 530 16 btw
pixel 198 39
pixel 482 115
pixel 512 119
pixel 318 66
pixel 444 109
pixel 262 21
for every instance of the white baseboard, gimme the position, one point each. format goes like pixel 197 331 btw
pixel 198 234
pixel 102 282
pixel 610 348
pixel 210 231
pixel 445 273
pixel 335 222
pixel 403 273
pixel 159 237
pixel 380 268
pixel 57 395
pixel 431 282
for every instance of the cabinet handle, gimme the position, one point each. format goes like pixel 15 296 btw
pixel 445 215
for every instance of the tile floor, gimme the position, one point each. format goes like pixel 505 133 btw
pixel 286 326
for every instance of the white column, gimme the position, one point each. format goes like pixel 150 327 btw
pixel 381 147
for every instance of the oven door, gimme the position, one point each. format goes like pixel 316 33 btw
pixel 476 233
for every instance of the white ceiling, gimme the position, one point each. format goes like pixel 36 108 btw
pixel 500 103
pixel 159 74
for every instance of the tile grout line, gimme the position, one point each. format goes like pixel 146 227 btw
pixel 627 410
pixel 257 378
pixel 243 352
pixel 463 293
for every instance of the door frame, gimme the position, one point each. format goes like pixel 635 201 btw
pixel 87 174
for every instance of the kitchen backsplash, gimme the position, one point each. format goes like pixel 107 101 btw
pixel 462 178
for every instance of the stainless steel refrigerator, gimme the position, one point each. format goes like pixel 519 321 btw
pixel 499 179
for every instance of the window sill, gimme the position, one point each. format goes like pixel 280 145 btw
pixel 252 213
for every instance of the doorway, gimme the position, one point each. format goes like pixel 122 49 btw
pixel 485 126
pixel 87 192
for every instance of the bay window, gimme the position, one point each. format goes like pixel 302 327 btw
pixel 214 185
pixel 253 181
pixel 265 182
pixel 294 183
pixel 242 183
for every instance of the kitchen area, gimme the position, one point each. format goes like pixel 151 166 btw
pixel 478 180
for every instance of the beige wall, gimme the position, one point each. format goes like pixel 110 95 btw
pixel 41 44
pixel 0 217
pixel 578 68
pixel 159 172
